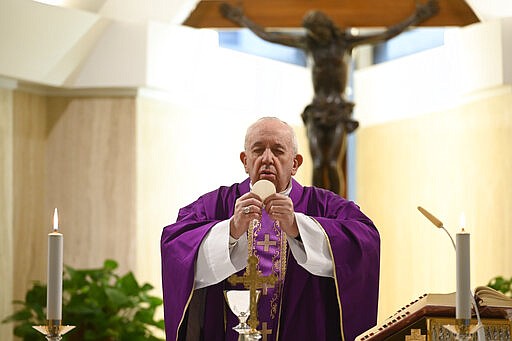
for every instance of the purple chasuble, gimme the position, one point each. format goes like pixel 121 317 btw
pixel 312 308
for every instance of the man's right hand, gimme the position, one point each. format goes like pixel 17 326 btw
pixel 247 208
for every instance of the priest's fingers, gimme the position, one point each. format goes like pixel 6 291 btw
pixel 248 199
pixel 278 203
pixel 280 208
pixel 247 204
pixel 286 220
pixel 240 222
pixel 247 208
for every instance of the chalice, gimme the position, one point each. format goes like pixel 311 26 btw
pixel 239 303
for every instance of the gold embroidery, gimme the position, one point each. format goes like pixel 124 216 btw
pixel 267 242
pixel 278 266
pixel 415 336
pixel 266 286
pixel 251 234
pixel 281 306
pixel 265 331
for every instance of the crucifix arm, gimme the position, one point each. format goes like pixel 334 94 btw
pixel 423 12
pixel 237 16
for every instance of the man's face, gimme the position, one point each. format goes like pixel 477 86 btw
pixel 269 154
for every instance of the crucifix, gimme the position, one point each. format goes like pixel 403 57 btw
pixel 328 118
pixel 252 279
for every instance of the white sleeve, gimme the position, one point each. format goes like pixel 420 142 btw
pixel 313 252
pixel 217 258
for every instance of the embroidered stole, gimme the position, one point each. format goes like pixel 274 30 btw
pixel 270 247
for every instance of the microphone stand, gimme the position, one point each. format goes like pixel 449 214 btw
pixel 463 328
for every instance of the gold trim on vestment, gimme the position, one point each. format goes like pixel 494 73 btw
pixel 184 311
pixel 335 278
pixel 250 237
pixel 281 304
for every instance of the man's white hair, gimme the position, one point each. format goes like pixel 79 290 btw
pixel 295 143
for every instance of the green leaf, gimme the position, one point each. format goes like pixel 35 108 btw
pixel 154 301
pixel 19 316
pixel 146 287
pixel 117 297
pixel 110 264
pixel 501 284
pixel 27 332
pixel 129 284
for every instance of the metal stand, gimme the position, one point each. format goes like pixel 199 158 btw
pixel 53 330
pixel 463 330
pixel 249 337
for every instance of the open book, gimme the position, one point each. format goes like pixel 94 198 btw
pixel 491 304
pixel 488 297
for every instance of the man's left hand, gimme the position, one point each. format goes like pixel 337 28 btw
pixel 280 208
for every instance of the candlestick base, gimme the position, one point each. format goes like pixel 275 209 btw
pixel 252 335
pixel 463 329
pixel 53 330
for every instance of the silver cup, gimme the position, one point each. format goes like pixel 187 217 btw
pixel 239 303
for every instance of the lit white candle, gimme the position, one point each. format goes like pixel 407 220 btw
pixel 463 298
pixel 55 260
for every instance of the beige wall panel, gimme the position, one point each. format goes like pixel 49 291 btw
pixel 6 211
pixel 305 173
pixel 31 221
pixel 90 178
pixel 451 162
pixel 157 181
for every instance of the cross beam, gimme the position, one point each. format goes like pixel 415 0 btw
pixel 345 13
pixel 252 279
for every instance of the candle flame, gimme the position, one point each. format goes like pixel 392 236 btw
pixel 462 221
pixel 55 220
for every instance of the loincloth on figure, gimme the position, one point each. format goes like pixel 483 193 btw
pixel 329 115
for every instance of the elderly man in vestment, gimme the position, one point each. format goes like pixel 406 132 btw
pixel 322 249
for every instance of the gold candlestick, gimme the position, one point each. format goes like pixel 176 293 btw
pixel 53 330
pixel 463 329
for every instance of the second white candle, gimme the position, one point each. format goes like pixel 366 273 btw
pixel 463 298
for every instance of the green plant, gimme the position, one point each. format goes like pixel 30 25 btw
pixel 102 305
pixel 501 284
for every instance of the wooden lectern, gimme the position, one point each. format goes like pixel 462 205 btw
pixel 424 318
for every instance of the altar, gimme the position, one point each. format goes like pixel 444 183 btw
pixel 425 319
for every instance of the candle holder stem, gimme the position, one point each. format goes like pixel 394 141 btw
pixel 53 330
pixel 463 329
